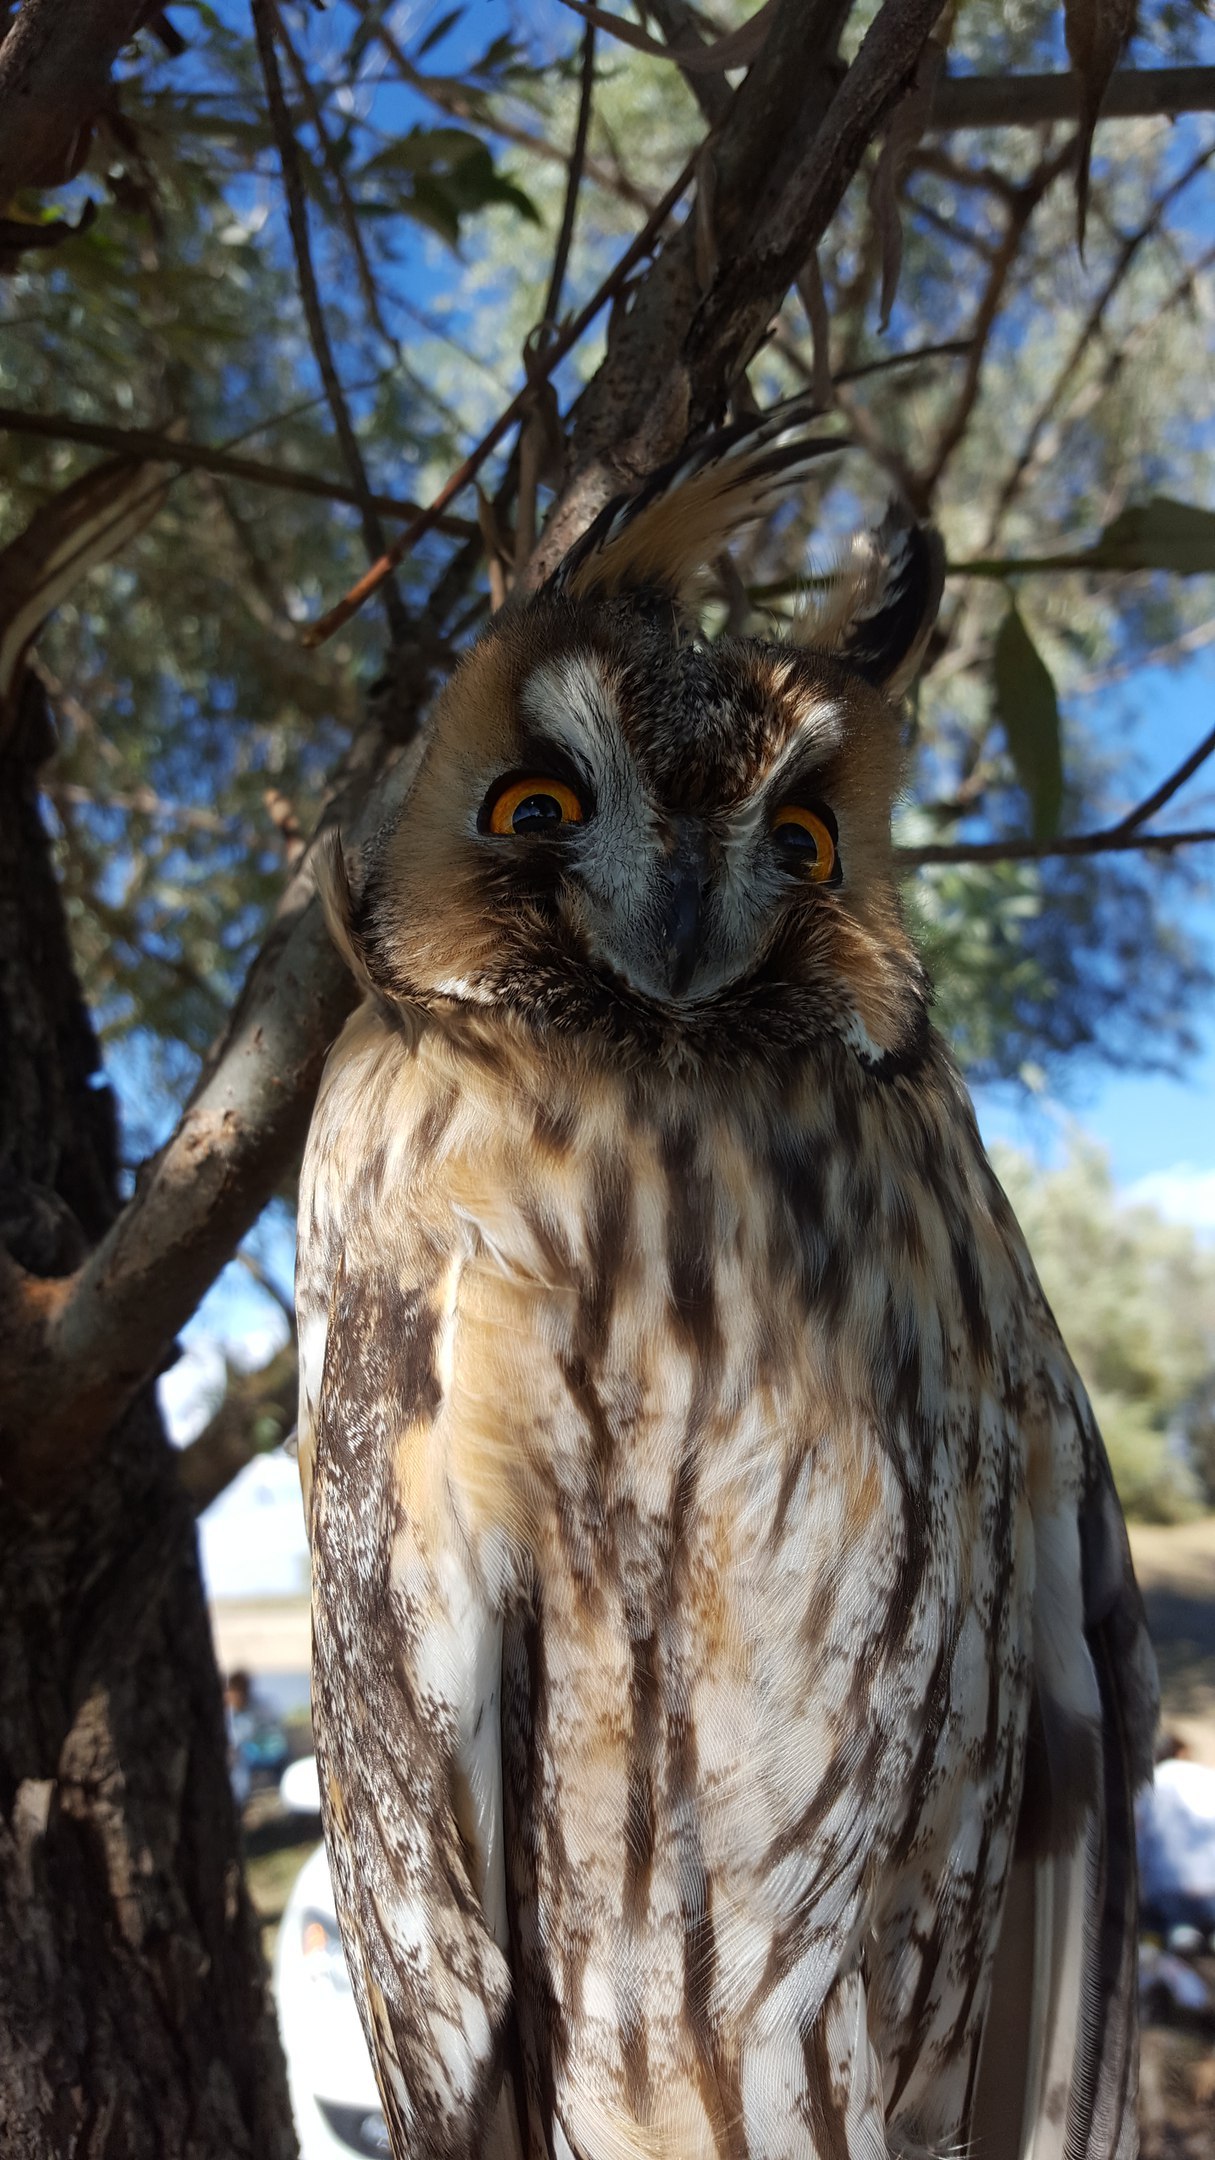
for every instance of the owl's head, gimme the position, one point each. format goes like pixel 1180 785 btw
pixel 621 828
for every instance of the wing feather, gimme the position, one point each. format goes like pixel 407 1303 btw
pixel 1067 2073
pixel 406 1633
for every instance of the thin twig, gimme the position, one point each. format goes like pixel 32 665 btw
pixel 349 605
pixel 148 443
pixel 476 113
pixel 1178 648
pixel 573 185
pixel 333 165
pixel 1168 788
pixel 1021 211
pixel 947 349
pixel 1126 255
pixel 540 422
pixel 1115 840
pixel 266 27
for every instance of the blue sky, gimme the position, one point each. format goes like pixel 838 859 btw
pixel 1158 1128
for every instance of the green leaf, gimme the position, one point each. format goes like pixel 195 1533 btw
pixel 1159 534
pixel 1028 711
pixel 436 36
pixel 425 150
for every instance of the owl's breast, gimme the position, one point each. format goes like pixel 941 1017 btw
pixel 723 1419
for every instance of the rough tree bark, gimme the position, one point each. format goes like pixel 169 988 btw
pixel 133 2014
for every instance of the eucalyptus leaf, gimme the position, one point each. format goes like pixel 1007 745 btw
pixel 436 35
pixel 1028 711
pixel 1160 534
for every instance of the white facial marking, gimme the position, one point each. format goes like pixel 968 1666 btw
pixel 571 700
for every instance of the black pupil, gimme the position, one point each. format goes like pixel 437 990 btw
pixel 536 811
pixel 797 838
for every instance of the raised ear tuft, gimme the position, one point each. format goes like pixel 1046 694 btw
pixel 877 609
pixel 659 539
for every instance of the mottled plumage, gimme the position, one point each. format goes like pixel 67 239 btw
pixel 730 1682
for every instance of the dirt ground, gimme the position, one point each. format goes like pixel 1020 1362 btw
pixel 1176 1569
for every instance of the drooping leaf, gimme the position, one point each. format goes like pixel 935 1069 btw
pixel 448 174
pixel 1028 711
pixel 438 32
pixel 1160 534
pixel 1096 32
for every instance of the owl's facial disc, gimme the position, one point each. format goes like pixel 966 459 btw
pixel 676 906
pixel 672 874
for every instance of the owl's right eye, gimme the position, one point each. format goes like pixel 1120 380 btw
pixel 531 808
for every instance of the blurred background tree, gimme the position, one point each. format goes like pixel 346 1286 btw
pixel 285 271
pixel 1139 1298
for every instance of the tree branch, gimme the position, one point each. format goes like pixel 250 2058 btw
pixel 466 472
pixel 333 166
pixel 986 101
pixel 1168 788
pixel 793 138
pixel 266 28
pixel 1020 211
pixel 187 456
pixel 573 185
pixel 1115 840
pixel 55 68
pixel 231 1438
pixel 477 112
pixel 77 1349
pixel 1127 252
pixel 679 26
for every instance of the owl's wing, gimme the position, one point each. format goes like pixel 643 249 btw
pixel 406 1641
pixel 1060 2071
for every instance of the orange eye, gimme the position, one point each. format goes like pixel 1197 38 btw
pixel 808 840
pixel 533 808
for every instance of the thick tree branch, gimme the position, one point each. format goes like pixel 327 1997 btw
pixel 794 136
pixel 147 443
pixel 256 1414
pixel 984 101
pixel 55 68
pixel 679 26
pixel 77 1349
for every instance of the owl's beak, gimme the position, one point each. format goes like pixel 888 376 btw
pixel 686 883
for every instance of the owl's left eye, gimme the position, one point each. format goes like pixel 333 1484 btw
pixel 809 841
pixel 531 808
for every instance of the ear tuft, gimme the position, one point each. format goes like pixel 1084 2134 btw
pixel 655 542
pixel 877 608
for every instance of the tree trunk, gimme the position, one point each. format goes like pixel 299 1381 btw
pixel 134 2019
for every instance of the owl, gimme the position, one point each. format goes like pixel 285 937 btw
pixel 730 1683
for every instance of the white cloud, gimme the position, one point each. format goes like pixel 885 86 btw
pixel 1182 1194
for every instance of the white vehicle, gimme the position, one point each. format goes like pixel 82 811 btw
pixel 333 2094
